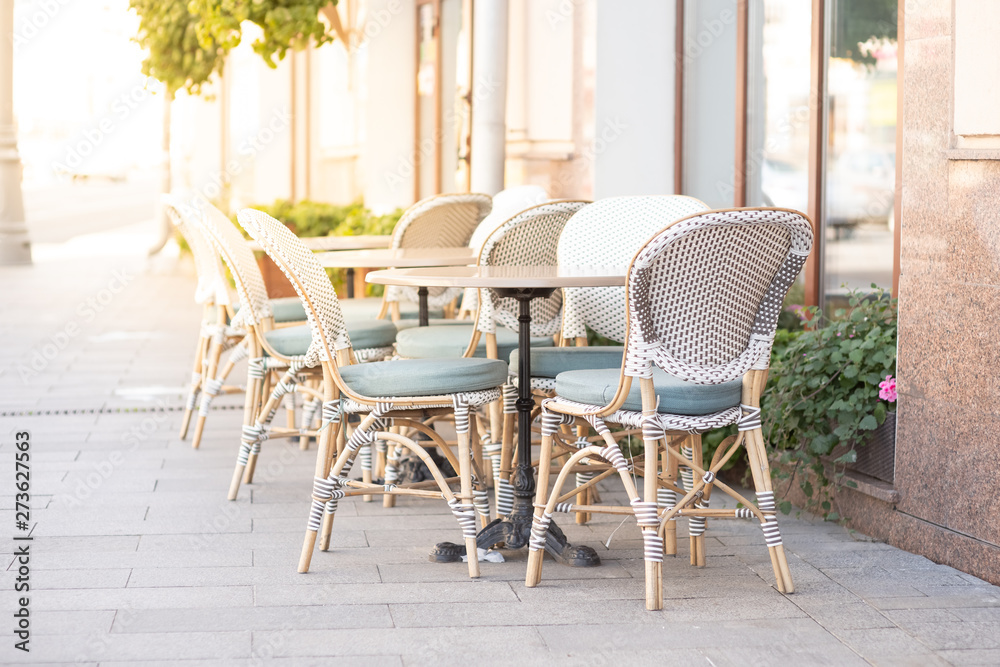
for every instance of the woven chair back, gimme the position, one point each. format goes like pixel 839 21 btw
pixel 705 292
pixel 309 279
pixel 529 238
pixel 212 286
pixel 236 253
pixel 608 233
pixel 506 204
pixel 441 221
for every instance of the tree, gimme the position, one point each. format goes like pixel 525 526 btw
pixel 176 57
pixel 285 24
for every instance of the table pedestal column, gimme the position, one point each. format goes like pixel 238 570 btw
pixel 512 532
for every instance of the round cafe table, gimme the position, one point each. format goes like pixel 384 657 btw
pixel 399 257
pixel 522 283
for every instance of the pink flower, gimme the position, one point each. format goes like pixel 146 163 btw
pixel 887 389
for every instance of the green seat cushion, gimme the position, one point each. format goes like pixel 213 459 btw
pixel 368 308
pixel 434 322
pixel 678 397
pixel 452 341
pixel 288 309
pixel 285 309
pixel 294 341
pixel 424 377
pixel 548 362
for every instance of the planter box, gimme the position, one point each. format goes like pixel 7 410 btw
pixel 876 458
pixel 274 280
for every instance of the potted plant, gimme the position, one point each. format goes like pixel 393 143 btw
pixel 832 388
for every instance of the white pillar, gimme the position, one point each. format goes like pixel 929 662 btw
pixel 489 95
pixel 14 245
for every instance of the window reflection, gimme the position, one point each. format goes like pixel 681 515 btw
pixel 861 147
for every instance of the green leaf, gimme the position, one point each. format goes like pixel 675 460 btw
pixel 807 488
pixel 868 423
pixel 785 507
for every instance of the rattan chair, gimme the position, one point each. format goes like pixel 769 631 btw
pixel 389 393
pixel 273 350
pixel 441 221
pixel 704 297
pixel 585 241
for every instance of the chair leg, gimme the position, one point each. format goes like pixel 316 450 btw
pixel 761 473
pixel 667 498
pixel 536 556
pixel 391 471
pixel 463 431
pixel 584 497
pixel 697 525
pixel 322 485
pixel 502 486
pixel 262 416
pixel 210 386
pixel 649 522
pixel 255 376
pixel 192 399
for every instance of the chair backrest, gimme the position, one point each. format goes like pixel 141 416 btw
pixel 212 286
pixel 705 293
pixel 506 204
pixel 529 238
pixel 608 233
pixel 236 253
pixel 441 221
pixel 309 279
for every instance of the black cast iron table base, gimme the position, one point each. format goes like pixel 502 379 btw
pixel 514 531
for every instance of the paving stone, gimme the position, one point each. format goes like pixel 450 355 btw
pixel 89 578
pixel 468 590
pixel 143 598
pixel 329 616
pixel 783 654
pixel 879 644
pixel 134 647
pixel 972 657
pixel 965 635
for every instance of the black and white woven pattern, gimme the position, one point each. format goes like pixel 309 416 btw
pixel 441 221
pixel 702 292
pixel 233 248
pixel 506 204
pixel 308 278
pixel 529 238
pixel 608 233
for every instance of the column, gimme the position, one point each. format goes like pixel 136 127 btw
pixel 14 245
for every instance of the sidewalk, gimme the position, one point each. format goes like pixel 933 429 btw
pixel 137 557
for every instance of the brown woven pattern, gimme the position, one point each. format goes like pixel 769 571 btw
pixel 608 233
pixel 212 287
pixel 309 280
pixel 441 221
pixel 236 253
pixel 705 293
pixel 529 238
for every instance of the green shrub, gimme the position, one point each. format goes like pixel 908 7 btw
pixel 824 389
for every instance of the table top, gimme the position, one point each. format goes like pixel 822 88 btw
pixel 361 242
pixel 523 277
pixel 398 257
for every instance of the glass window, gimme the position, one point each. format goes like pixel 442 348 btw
pixel 861 145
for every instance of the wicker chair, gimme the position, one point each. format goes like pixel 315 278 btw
pixel 400 393
pixel 585 241
pixel 704 297
pixel 274 350
pixel 212 292
pixel 441 221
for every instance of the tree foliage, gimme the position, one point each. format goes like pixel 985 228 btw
pixel 285 24
pixel 176 55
